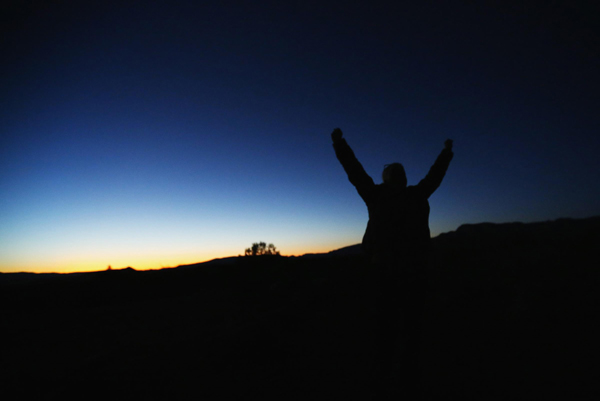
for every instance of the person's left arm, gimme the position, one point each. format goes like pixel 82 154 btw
pixel 436 173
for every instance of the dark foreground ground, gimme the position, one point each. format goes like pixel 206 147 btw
pixel 511 314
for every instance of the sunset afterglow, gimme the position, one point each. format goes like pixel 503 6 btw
pixel 164 135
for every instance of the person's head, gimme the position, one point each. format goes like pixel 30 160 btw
pixel 394 174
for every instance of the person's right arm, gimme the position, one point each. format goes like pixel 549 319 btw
pixel 355 171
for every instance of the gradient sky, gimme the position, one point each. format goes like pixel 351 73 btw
pixel 153 134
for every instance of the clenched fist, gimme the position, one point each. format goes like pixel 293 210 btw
pixel 336 135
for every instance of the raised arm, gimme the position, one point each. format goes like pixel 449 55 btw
pixel 436 174
pixel 356 173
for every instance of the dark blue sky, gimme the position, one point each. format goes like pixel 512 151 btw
pixel 157 133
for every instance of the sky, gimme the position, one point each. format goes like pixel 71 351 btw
pixel 153 134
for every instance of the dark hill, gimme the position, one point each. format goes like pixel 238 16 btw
pixel 510 315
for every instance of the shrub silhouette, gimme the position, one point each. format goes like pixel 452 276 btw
pixel 260 249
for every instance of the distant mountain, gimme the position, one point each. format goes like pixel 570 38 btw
pixel 563 243
pixel 562 232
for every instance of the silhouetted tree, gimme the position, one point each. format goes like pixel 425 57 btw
pixel 261 248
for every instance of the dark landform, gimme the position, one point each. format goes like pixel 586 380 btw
pixel 511 314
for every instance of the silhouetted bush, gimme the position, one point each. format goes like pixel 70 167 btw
pixel 261 248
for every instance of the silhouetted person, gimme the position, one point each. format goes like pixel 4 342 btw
pixel 397 239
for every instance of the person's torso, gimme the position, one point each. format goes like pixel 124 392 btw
pixel 398 217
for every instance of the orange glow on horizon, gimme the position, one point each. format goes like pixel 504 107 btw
pixel 80 264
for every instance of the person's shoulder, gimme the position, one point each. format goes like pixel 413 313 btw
pixel 415 191
pixel 380 188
